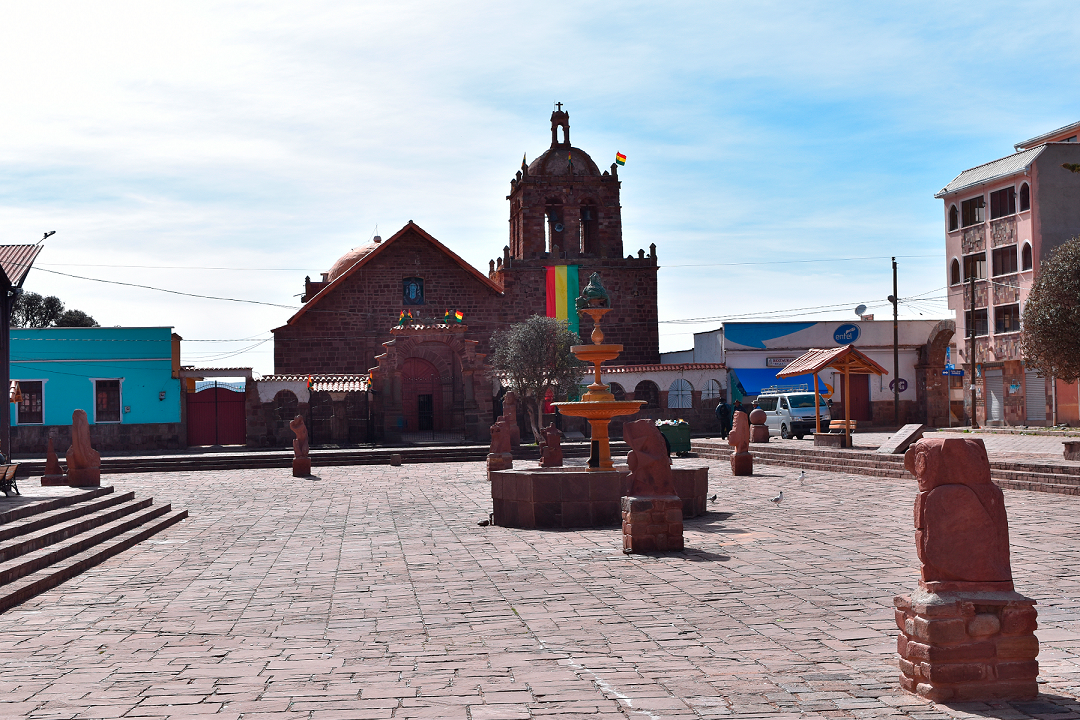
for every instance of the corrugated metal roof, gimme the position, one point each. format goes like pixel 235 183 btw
pixel 992 170
pixel 1041 139
pixel 325 383
pixel 16 261
pixel 815 360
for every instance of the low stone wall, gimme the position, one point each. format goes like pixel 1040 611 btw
pixel 118 437
pixel 565 497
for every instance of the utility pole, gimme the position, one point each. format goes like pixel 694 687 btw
pixel 895 349
pixel 7 300
pixel 971 346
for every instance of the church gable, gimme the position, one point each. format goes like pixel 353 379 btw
pixel 344 324
pixel 410 250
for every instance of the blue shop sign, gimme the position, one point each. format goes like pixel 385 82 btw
pixel 846 334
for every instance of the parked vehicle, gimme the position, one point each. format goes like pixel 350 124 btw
pixel 790 413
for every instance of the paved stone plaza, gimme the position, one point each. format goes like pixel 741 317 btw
pixel 371 592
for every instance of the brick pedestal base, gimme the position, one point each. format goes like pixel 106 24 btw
pixel 84 477
pixel 652 524
pixel 500 461
pixel 742 464
pixel 301 467
pixel 759 433
pixel 967 646
pixel 47 480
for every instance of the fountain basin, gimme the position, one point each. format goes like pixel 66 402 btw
pixel 576 497
pixel 604 410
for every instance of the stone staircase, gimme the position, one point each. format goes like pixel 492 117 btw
pixel 1062 478
pixel 44 542
pixel 254 459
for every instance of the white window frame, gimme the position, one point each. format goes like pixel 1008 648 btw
pixel 18 419
pixel 93 400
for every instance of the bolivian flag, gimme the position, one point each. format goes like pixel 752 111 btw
pixel 458 315
pixel 620 159
pixel 562 291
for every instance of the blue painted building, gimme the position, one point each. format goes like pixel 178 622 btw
pixel 126 379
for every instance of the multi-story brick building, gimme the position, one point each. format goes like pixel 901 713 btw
pixel 563 211
pixel 1002 219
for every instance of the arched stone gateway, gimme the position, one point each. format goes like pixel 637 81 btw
pixel 431 379
pixel 932 388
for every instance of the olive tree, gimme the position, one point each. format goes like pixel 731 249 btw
pixel 1051 333
pixel 533 357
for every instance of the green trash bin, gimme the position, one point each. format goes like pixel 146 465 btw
pixel 677 433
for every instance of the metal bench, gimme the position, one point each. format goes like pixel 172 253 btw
pixel 7 479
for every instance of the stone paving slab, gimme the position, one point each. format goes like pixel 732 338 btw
pixel 372 592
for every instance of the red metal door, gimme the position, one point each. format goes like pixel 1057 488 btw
pixel 860 398
pixel 216 416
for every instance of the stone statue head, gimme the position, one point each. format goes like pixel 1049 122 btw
pixel 594 295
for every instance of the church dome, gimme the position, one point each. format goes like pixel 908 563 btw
pixel 554 162
pixel 349 259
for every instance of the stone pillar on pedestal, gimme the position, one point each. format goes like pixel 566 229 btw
pixel 499 456
pixel 54 474
pixel 742 462
pixel 652 517
pixel 301 464
pixel 759 431
pixel 965 634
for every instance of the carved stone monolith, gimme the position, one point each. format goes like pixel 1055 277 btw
pixel 965 634
pixel 83 461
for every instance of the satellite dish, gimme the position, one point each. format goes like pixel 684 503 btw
pixel 860 310
pixel 558 227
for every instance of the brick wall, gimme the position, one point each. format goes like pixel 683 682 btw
pixel 119 437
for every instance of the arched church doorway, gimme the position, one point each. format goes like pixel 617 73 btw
pixel 421 396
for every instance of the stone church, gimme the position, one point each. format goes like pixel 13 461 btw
pixel 429 373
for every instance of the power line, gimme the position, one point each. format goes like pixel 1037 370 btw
pixel 171 292
pixel 792 262
pixel 177 267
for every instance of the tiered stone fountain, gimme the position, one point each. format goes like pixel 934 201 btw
pixel 547 497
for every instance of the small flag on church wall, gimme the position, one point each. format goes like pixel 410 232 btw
pixel 458 315
pixel 562 290
pixel 620 159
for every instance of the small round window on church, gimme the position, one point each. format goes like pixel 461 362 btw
pixel 412 291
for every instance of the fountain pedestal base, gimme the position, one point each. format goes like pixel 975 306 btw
pixel 652 524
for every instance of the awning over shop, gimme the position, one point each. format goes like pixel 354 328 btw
pixel 751 381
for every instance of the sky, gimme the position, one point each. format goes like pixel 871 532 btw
pixel 779 153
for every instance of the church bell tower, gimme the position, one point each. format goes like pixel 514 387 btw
pixel 562 206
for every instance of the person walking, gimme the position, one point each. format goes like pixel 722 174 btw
pixel 723 414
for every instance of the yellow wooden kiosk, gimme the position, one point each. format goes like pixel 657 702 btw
pixel 846 359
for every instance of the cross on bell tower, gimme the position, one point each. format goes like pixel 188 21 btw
pixel 560 119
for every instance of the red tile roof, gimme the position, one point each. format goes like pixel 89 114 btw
pixel 815 360
pixel 326 383
pixel 660 368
